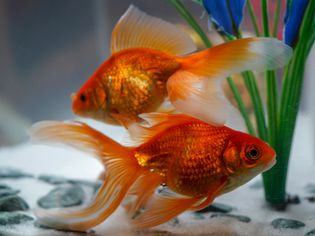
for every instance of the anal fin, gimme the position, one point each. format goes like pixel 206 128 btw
pixel 142 189
pixel 161 209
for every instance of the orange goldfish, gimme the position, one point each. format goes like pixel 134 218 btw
pixel 193 160
pixel 151 63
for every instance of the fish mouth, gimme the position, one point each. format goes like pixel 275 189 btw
pixel 75 109
pixel 73 96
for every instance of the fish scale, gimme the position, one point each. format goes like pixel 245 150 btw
pixel 185 155
pixel 136 83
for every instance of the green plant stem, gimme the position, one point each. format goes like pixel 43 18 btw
pixel 253 17
pixel 272 107
pixel 275 179
pixel 290 82
pixel 265 21
pixel 252 88
pixel 276 19
pixel 309 37
pixel 241 106
pixel 310 43
pixel 271 85
pixel 191 21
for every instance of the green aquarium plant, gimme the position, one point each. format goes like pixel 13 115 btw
pixel 275 117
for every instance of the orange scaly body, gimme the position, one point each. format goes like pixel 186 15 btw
pixel 134 81
pixel 195 161
pixel 188 156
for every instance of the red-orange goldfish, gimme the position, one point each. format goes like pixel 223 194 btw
pixel 151 61
pixel 193 160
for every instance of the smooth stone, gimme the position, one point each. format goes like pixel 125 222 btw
pixel 256 185
pixel 89 232
pixel 64 196
pixel 310 188
pixel 310 233
pixel 310 199
pixel 11 218
pixel 198 216
pixel 56 180
pixel 14 204
pixel 7 172
pixel 241 218
pixel 154 232
pixel 282 223
pixel 4 193
pixel 174 222
pixel 53 179
pixel 293 199
pixel 4 186
pixel 93 184
pixel 97 186
pixel 216 207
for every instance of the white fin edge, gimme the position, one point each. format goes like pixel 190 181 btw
pixel 136 29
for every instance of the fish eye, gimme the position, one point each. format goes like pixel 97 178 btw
pixel 82 97
pixel 252 152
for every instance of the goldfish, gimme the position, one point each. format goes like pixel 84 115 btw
pixel 153 67
pixel 194 161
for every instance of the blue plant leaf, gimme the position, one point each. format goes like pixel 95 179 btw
pixel 225 14
pixel 292 20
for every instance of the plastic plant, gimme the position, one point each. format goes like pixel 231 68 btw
pixel 275 118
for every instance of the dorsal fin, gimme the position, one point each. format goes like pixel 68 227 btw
pixel 155 124
pixel 136 29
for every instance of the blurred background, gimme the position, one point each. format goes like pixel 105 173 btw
pixel 48 48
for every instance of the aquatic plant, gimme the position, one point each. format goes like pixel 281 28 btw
pixel 275 118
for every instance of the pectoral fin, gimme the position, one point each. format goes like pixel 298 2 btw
pixel 216 188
